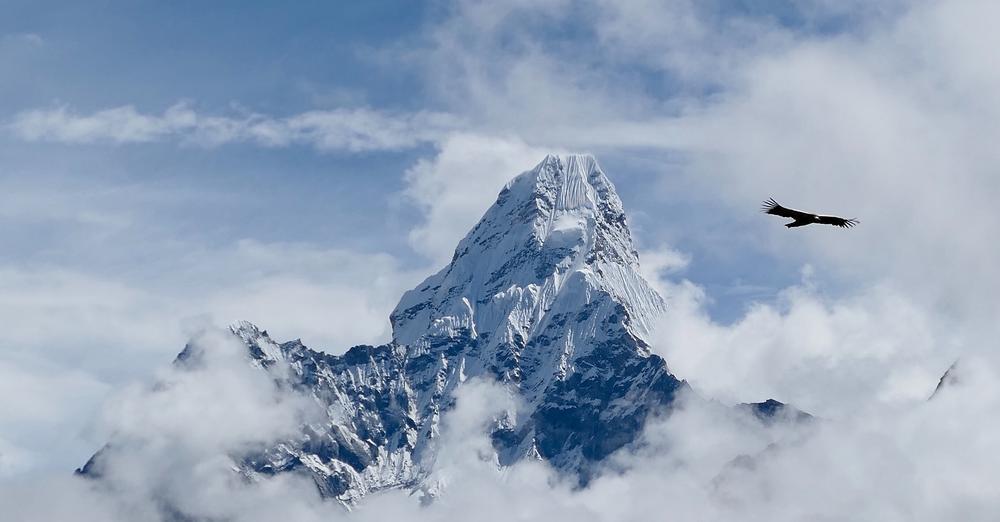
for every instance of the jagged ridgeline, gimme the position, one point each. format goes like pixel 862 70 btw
pixel 544 295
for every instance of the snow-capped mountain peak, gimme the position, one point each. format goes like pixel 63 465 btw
pixel 544 296
pixel 555 244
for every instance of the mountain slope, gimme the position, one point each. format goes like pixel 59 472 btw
pixel 544 295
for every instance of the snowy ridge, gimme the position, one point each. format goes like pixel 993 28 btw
pixel 555 239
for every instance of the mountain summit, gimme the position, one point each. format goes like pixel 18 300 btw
pixel 536 279
pixel 544 296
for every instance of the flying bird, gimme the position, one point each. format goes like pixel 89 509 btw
pixel 805 218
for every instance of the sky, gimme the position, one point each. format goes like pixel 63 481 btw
pixel 167 167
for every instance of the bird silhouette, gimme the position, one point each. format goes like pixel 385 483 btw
pixel 802 219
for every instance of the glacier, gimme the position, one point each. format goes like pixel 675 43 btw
pixel 544 296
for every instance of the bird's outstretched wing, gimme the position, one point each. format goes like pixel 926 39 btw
pixel 772 207
pixel 837 221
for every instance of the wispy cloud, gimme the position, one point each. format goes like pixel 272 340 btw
pixel 352 130
pixel 22 39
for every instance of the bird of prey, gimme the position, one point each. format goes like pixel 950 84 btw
pixel 805 218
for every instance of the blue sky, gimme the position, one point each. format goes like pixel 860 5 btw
pixel 233 57
pixel 169 165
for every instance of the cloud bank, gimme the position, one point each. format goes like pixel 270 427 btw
pixel 704 462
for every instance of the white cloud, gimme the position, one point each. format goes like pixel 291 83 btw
pixel 659 262
pixel 71 335
pixel 60 307
pixel 185 409
pixel 331 298
pixel 704 462
pixel 183 427
pixel 828 356
pixel 353 130
pixel 46 408
pixel 861 126
pixel 886 464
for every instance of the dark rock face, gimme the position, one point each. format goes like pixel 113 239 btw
pixel 771 411
pixel 594 413
pixel 394 401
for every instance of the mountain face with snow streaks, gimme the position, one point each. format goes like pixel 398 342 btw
pixel 543 296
